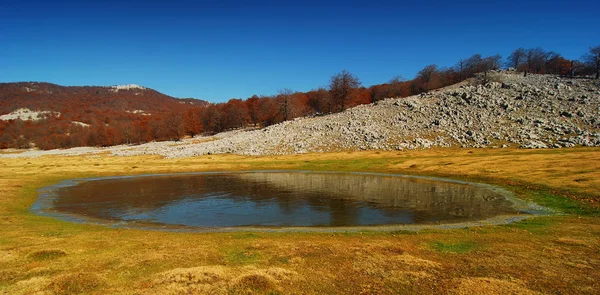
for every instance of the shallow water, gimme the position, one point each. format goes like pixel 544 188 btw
pixel 279 199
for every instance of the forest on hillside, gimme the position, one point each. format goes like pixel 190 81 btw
pixel 101 116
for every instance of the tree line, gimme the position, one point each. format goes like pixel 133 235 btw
pixel 344 91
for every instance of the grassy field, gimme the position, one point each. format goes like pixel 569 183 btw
pixel 542 255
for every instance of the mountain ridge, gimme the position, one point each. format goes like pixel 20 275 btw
pixel 103 115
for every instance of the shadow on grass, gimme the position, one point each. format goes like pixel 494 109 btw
pixel 42 255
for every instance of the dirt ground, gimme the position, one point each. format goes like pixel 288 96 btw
pixel 557 254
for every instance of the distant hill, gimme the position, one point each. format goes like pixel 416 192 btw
pixel 51 116
pixel 88 99
pixel 504 110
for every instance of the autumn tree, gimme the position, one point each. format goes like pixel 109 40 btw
pixel 170 127
pixel 341 85
pixel 300 105
pixel 397 88
pixel 267 109
pixel 359 96
pixel 592 59
pixel 141 131
pixel 235 114
pixel 428 78
pixel 558 65
pixel 379 92
pixel 291 104
pixel 320 101
pixel 192 122
pixel 127 132
pixel 252 105
pixel 212 119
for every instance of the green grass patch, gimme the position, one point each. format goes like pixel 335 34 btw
pixel 562 201
pixel 537 225
pixel 237 256
pixel 403 232
pixel 564 204
pixel 458 248
pixel 345 165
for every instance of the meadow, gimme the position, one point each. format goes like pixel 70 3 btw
pixel 539 255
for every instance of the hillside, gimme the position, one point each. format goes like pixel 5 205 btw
pixel 537 111
pixel 44 114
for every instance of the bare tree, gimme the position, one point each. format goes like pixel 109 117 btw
pixel 592 59
pixel 341 86
pixel 577 67
pixel 488 64
pixel 285 104
pixel 473 64
pixel 493 62
pixel 536 60
pixel 516 58
pixel 460 68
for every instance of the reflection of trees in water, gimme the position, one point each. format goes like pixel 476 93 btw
pixel 343 195
pixel 425 198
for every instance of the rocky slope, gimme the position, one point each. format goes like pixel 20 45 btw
pixel 537 111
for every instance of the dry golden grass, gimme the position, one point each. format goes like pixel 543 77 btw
pixel 557 254
pixel 490 286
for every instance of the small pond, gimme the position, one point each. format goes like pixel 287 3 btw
pixel 272 199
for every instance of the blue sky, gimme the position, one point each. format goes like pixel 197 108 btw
pixel 216 50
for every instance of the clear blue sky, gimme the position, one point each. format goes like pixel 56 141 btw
pixel 216 50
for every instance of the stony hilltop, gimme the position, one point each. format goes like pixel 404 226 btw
pixel 537 111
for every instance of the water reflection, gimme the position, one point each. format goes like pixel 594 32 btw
pixel 280 199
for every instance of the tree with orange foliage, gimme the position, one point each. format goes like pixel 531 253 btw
pixel 558 65
pixel 428 78
pixel 141 131
pixel 359 96
pixel 171 127
pixel 252 106
pixel 212 119
pixel 285 105
pixel 268 109
pixel 320 101
pixel 235 114
pixel 192 121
